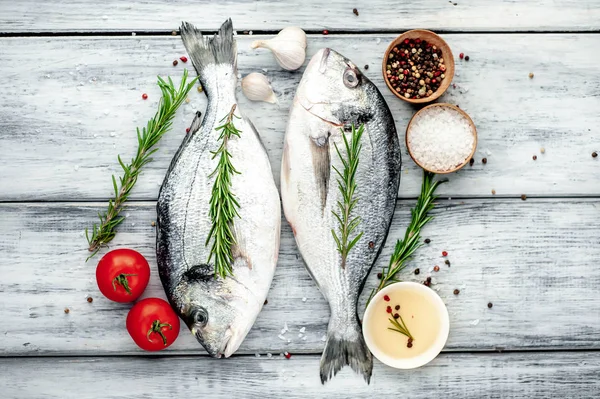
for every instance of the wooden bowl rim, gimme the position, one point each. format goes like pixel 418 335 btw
pixel 463 113
pixel 449 57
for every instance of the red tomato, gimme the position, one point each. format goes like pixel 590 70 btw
pixel 122 275
pixel 152 324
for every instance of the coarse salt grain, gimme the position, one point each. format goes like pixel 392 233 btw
pixel 440 139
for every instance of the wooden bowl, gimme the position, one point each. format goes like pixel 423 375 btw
pixel 435 40
pixel 463 113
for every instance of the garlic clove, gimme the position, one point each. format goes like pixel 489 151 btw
pixel 256 87
pixel 288 47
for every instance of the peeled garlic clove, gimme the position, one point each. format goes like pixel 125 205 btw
pixel 288 47
pixel 256 87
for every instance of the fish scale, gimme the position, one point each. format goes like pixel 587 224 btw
pixel 332 94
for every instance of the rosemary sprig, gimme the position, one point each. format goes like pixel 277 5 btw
pixel 223 204
pixel 347 186
pixel 149 136
pixel 412 238
pixel 400 327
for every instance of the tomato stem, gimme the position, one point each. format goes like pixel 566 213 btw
pixel 122 280
pixel 157 328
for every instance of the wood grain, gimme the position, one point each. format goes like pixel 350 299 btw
pixel 534 260
pixel 507 375
pixel 374 15
pixel 70 105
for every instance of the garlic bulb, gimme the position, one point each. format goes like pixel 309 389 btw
pixel 257 88
pixel 288 47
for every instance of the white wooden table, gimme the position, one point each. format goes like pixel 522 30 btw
pixel 71 79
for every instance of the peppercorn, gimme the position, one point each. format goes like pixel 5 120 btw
pixel 427 283
pixel 490 305
pixel 187 129
pixel 388 309
pixel 287 355
pixel 594 154
pixel 379 276
pixel 67 310
pixel 386 298
pixel 397 307
pixel 183 59
pixel 429 279
pixel 366 66
pixel 523 197
pixel 456 291
pixel 427 241
pixel 534 157
pixel 175 62
pixel 153 224
pixel 145 96
pixel 461 55
pixel 90 299
pixel 530 75
pixel 174 33
pixel 484 161
pixel 447 262
pixel 355 11
pixel 493 192
pixel 444 253
pixel 325 32
pixel 417 271
pixel 436 268
pixel 266 301
pixel 467 58
pixel 396 315
pixel 542 150
pixel 200 89
pixel 371 244
pixel 471 161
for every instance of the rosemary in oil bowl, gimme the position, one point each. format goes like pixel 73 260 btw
pixel 172 97
pixel 347 186
pixel 223 203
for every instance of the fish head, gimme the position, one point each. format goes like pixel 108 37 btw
pixel 334 89
pixel 211 310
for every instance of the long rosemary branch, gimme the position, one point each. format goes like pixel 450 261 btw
pixel 223 204
pixel 148 137
pixel 347 186
pixel 412 238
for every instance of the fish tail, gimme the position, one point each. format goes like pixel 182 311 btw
pixel 208 52
pixel 346 348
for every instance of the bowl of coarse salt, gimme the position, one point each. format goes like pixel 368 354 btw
pixel 441 138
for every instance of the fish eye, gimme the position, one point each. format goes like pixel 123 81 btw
pixel 200 316
pixel 350 78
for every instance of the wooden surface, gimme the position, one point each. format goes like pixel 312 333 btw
pixel 72 79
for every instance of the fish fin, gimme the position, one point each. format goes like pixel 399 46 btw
pixel 347 348
pixel 321 160
pixel 204 51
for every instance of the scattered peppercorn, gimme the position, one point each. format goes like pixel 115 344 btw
pixel 490 305
pixel 200 89
pixel 396 315
pixel 175 62
pixel 542 150
pixel 90 299
pixel 409 344
pixel 429 279
pixel 183 59
pixel 187 129
pixel 366 66
pixel 145 96
pixel 471 161
pixel 386 298
pixel 415 68
pixel 447 262
pixel 535 157
pixel 388 309
pixel 287 355
pixel 484 160
pixel 417 271
pixel 325 32
pixel 461 55
pixel 530 75
pixel 397 307
pixel 355 11
pixel 174 33
pixel 379 276
pixel 436 268
pixel 444 253
pixel 67 310
pixel 456 291
pixel 493 192
pixel 427 283
pixel 266 301
pixel 594 154
pixel 523 197
pixel 371 244
pixel 427 241
pixel 153 224
pixel 467 58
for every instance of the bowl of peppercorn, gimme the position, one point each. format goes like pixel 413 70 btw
pixel 418 66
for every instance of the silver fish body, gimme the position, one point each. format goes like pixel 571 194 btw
pixel 332 96
pixel 218 311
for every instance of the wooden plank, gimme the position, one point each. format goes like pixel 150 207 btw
pixel 507 375
pixel 374 15
pixel 75 106
pixel 533 260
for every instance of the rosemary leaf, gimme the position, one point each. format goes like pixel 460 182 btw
pixel 148 137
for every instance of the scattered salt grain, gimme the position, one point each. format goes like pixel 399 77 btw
pixel 324 338
pixel 105 17
pixel 265 70
pixel 47 76
pixel 95 135
pixel 300 335
pixel 304 299
pixel 146 47
pixel 113 134
pixel 132 224
pixel 302 330
pixel 440 139
pixel 257 354
pixel 285 326
pixel 269 355
pixel 132 33
pixel 304 338
pixel 475 322
pixel 281 337
pixel 250 33
pixel 378 40
pixel 76 167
